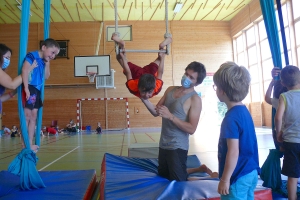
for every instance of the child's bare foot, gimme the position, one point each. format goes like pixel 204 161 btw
pixel 34 148
pixel 167 41
pixel 120 42
pixel 204 168
pixel 214 175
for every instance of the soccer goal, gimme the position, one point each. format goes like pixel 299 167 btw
pixel 112 113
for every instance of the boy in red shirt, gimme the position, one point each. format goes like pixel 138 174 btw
pixel 143 82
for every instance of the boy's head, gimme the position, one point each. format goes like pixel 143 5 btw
pixel 233 80
pixel 290 76
pixel 50 49
pixel 146 85
pixel 5 54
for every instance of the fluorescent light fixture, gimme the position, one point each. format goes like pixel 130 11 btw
pixel 178 7
pixel 20 7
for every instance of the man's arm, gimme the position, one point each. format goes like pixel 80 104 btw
pixel 278 118
pixel 8 82
pixel 269 91
pixel 230 164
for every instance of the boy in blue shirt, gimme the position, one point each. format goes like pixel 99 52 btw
pixel 237 148
pixel 33 81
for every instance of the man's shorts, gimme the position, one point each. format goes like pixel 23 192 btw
pixel 137 71
pixel 34 101
pixel 291 160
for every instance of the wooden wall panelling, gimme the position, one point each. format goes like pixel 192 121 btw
pixel 256 113
pixel 267 114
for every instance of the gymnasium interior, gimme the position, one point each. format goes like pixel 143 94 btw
pixel 121 162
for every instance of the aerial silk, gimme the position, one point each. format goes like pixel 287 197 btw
pixel 271 170
pixel 24 165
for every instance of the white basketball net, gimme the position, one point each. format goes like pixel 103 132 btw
pixel 92 77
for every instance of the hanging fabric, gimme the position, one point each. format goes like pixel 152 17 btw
pixel 24 165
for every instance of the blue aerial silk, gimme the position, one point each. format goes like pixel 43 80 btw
pixel 24 165
pixel 271 169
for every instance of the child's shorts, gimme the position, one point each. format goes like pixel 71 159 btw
pixel 137 71
pixel 34 101
pixel 291 160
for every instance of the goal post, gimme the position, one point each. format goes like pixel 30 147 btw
pixel 112 113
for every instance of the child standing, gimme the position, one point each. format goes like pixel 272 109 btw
pixel 287 123
pixel 237 148
pixel 143 82
pixel 33 81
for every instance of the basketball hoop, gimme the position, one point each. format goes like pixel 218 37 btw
pixel 91 76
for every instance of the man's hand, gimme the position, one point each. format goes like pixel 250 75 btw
pixel 275 71
pixel 33 65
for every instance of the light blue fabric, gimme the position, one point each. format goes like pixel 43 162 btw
pixel 24 165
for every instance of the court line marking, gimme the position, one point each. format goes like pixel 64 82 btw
pixel 59 158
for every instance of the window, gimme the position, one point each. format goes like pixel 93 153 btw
pixel 241 59
pixel 283 58
pixel 265 50
pixel 239 44
pixel 262 30
pixel 252 56
pixel 296 4
pixel 253 70
pixel 267 67
pixel 284 17
pixel 255 94
pixel 266 85
pixel 125 32
pixel 250 37
pixel 287 39
pixel 297 32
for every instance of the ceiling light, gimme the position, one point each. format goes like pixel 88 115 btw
pixel 178 7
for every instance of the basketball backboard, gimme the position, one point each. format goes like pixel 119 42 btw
pixel 99 64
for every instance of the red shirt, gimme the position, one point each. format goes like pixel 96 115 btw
pixel 51 130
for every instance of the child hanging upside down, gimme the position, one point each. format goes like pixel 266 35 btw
pixel 143 82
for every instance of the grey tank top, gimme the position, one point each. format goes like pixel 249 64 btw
pixel 291 119
pixel 171 136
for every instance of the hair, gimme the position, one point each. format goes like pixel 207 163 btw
pixel 278 89
pixel 234 80
pixel 146 82
pixel 3 50
pixel 290 76
pixel 50 43
pixel 199 68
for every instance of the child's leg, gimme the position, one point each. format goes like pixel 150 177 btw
pixel 292 188
pixel 31 116
pixel 120 42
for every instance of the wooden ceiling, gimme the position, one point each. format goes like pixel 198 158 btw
pixel 133 10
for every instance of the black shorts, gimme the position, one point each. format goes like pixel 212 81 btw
pixel 291 160
pixel 34 101
pixel 172 164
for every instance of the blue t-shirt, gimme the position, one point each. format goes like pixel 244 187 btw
pixel 36 76
pixel 238 124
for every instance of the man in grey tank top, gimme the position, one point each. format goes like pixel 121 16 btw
pixel 180 109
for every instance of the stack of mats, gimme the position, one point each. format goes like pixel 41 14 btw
pixel 136 178
pixel 62 185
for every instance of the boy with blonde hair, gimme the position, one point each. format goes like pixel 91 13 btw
pixel 287 123
pixel 237 148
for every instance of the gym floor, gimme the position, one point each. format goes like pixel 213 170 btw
pixel 85 150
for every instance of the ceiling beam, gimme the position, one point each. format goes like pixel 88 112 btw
pixel 89 12
pixel 78 12
pixel 229 4
pixel 186 11
pixel 233 12
pixel 3 20
pixel 58 12
pixel 8 16
pixel 239 5
pixel 211 10
pixel 9 5
pixel 69 13
pixel 129 10
pixel 13 12
pixel 80 4
pixel 34 4
pixel 219 11
pixel 124 4
pixel 37 14
pixel 198 11
pixel 155 10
